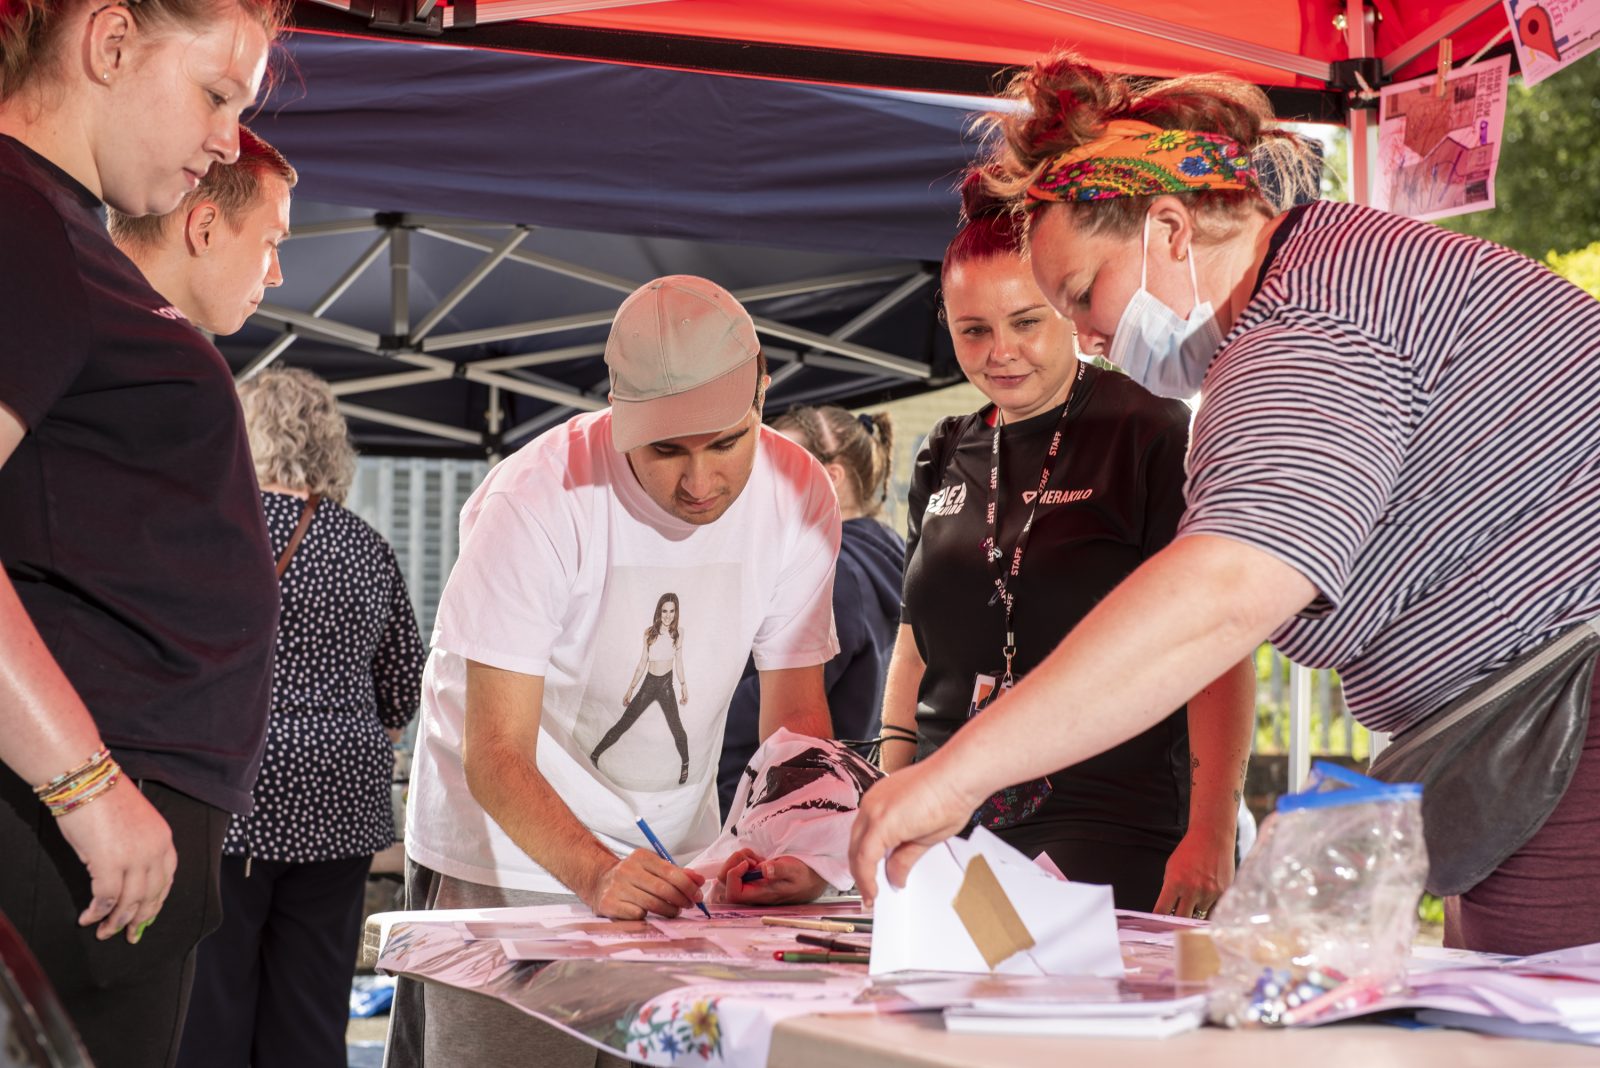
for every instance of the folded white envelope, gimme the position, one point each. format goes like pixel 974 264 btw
pixel 977 905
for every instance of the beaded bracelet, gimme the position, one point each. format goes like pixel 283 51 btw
pixel 84 791
pixel 73 789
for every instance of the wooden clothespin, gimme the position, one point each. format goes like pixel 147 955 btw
pixel 1444 67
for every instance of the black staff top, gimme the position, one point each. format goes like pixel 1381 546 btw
pixel 1113 498
pixel 130 524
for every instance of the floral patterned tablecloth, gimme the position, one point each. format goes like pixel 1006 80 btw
pixel 659 1012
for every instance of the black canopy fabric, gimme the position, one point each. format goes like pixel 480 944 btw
pixel 827 207
pixel 613 149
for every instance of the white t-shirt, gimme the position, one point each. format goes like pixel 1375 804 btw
pixel 566 569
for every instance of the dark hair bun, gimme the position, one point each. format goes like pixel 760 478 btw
pixel 977 202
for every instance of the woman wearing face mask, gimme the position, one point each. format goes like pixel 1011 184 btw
pixel 1367 487
pixel 138 604
pixel 1088 469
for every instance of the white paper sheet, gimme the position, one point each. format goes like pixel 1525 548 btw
pixel 977 1022
pixel 1494 1025
pixel 1437 154
pixel 916 927
pixel 1550 34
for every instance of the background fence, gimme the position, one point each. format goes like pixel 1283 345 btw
pixel 415 504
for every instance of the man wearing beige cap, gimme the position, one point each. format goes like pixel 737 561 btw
pixel 615 575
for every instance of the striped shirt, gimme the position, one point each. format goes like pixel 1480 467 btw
pixel 1410 418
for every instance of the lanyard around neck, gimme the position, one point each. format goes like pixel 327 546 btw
pixel 991 542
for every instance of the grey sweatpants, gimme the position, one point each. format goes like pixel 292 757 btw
pixel 436 1026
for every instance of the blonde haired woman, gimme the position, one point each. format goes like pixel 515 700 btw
pixel 274 980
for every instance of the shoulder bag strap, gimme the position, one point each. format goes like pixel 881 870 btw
pixel 300 529
pixel 1584 637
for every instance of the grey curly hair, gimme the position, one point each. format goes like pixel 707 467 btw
pixel 297 436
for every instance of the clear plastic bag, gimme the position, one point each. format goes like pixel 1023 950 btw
pixel 1321 917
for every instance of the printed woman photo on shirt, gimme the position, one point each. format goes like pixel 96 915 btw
pixel 659 663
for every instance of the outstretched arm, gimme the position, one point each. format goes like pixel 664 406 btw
pixel 793 698
pixel 899 749
pixel 1184 617
pixel 677 666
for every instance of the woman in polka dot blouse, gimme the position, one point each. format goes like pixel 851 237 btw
pixel 272 984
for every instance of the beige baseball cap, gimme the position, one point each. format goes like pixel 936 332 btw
pixel 682 354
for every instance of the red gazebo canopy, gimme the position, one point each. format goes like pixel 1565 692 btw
pixel 1296 48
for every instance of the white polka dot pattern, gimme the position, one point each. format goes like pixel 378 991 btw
pixel 347 665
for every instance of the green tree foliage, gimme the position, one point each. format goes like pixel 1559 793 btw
pixel 1546 189
pixel 1580 267
pixel 1336 168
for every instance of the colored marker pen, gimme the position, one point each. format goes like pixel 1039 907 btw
pixel 661 851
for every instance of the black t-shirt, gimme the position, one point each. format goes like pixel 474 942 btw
pixel 130 522
pixel 1114 499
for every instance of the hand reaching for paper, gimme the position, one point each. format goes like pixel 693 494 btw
pixel 642 883
pixel 790 818
pixel 784 881
pixel 901 817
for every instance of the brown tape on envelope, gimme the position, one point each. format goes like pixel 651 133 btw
pixel 988 915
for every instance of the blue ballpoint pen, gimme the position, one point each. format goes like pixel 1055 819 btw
pixel 661 851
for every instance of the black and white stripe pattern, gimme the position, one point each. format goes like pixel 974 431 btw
pixel 1411 418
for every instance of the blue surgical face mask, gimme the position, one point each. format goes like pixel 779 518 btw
pixel 1158 348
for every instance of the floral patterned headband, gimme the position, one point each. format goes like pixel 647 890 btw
pixel 1135 159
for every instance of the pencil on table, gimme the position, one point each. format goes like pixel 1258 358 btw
pixel 791 957
pixel 836 945
pixel 809 925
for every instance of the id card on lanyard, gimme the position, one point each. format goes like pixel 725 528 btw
pixel 1014 803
